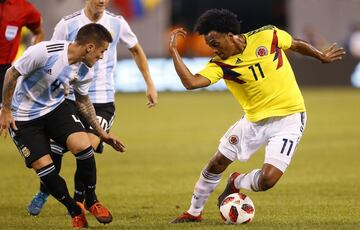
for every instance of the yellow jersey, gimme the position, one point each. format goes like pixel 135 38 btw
pixel 260 78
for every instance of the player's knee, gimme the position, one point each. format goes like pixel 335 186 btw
pixel 214 166
pixel 85 153
pixel 266 182
pixel 218 164
pixel 80 148
pixel 78 142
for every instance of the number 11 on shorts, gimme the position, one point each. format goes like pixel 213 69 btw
pixel 288 144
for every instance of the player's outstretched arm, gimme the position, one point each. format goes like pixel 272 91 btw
pixel 39 34
pixel 6 118
pixel 141 61
pixel 189 80
pixel 86 109
pixel 331 54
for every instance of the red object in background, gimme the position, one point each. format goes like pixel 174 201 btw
pixel 129 8
pixel 124 6
pixel 15 14
pixel 197 47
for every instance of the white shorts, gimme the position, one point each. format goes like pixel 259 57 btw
pixel 280 135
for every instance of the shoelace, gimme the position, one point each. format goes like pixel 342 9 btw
pixel 78 221
pixel 100 210
pixel 38 201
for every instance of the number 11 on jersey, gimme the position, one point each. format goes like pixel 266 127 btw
pixel 252 68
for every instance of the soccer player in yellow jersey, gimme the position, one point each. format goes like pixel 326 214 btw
pixel 258 74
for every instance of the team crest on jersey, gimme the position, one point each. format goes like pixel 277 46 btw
pixel 233 139
pixel 10 32
pixel 261 51
pixel 25 152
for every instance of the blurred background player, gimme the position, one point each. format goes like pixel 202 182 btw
pixel 354 48
pixel 16 14
pixel 258 74
pixel 101 90
pixel 35 110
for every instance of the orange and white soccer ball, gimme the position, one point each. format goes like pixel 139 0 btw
pixel 237 208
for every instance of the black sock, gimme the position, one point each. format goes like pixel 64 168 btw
pixel 57 187
pixel 86 170
pixel 57 159
pixel 79 193
pixel 56 154
pixel 43 189
pixel 100 147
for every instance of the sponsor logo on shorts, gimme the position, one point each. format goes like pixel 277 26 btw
pixel 233 139
pixel 261 51
pixel 25 152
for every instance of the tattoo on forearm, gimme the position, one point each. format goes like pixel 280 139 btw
pixel 9 87
pixel 86 109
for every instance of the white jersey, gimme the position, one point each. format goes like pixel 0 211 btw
pixel 102 88
pixel 44 67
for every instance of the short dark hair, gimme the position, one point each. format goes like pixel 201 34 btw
pixel 93 32
pixel 219 20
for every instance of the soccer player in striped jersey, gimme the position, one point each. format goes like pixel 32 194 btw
pixel 258 74
pixel 101 91
pixel 35 110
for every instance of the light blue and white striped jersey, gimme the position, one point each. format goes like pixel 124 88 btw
pixel 102 88
pixel 44 67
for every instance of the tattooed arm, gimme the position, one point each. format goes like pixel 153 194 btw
pixel 87 110
pixel 6 118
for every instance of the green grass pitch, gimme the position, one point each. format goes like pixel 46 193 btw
pixel 167 146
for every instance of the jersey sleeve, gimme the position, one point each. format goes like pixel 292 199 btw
pixel 284 39
pixel 33 58
pixel 82 85
pixel 212 72
pixel 60 31
pixel 127 36
pixel 33 17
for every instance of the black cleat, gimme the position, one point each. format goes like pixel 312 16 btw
pixel 230 188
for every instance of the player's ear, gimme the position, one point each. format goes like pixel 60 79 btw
pixel 230 35
pixel 90 47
